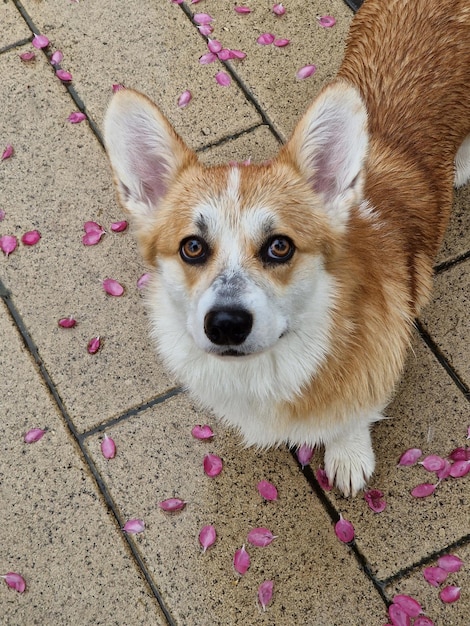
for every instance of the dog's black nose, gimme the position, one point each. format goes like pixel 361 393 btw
pixel 228 327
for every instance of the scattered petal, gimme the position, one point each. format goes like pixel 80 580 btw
pixel 450 563
pixel 33 435
pixel 267 490
pixel 108 447
pixel 460 454
pixel 242 10
pixel 208 57
pixel 322 478
pixel 306 71
pixel 112 287
pixel 143 280
pixel 344 530
pixel 67 322
pixel 435 576
pixel 31 238
pixel 225 54
pixel 459 469
pixel 172 504
pixel 444 472
pixel 119 227
pixel 449 594
pixel 28 56
pixel 375 499
pixel 433 463
pixel 223 79
pixel 241 561
pixel 8 243
pixel 260 537
pixel 40 41
pixel 56 57
pixel 266 39
pixel 76 117
pixel 304 454
pixel 94 232
pixel 202 432
pixel 265 593
pixel 214 45
pixel 281 43
pixel 237 54
pixel 134 526
pixel 398 616
pixel 64 76
pixel 212 465
pixel 184 99
pixel 423 621
pixel 411 606
pixel 15 581
pixel 6 154
pixel 203 18
pixel 207 537
pixel 279 9
pixel 410 457
pixel 423 490
pixel 2 215
pixel 94 345
pixel 326 21
pixel 205 29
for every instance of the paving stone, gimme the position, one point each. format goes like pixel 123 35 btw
pixel 13 27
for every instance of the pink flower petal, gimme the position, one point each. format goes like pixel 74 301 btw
pixel 205 29
pixel 76 117
pixel 56 57
pixel 172 504
pixel 435 576
pixel 241 561
pixel 279 9
pixel 375 500
pixel 212 465
pixel 2 215
pixel 237 54
pixel 411 606
pixel 445 471
pixel 423 621
pixel 108 447
pixel 223 79
pixel 459 469
pixel 423 490
pixel 31 238
pixel 33 435
pixel 266 39
pixel 119 227
pixel 15 581
pixel 397 615
pixel 242 10
pixel 94 345
pixel 281 43
pixel 214 45
pixel 94 232
pixel 91 227
pixel 207 537
pixel 202 18
pixel 40 41
pixel 8 243
pixel 143 280
pixel 267 490
pixel 322 478
pixel 134 526
pixel 450 563
pixel 326 21
pixel 67 322
pixel 112 287
pixel 449 594
pixel 64 76
pixel 410 457
pixel 304 454
pixel 6 154
pixel 184 99
pixel 202 432
pixel 28 56
pixel 225 54
pixel 344 530
pixel 208 57
pixel 460 454
pixel 260 537
pixel 265 593
pixel 432 463
pixel 306 71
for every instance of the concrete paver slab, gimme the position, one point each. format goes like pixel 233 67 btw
pixel 13 26
pixel 317 579
pixel 457 239
pixel 258 145
pixel 56 532
pixel 154 49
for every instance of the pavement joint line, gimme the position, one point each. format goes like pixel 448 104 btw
pixel 16 44
pixel 442 359
pixel 446 265
pixel 229 138
pixel 5 295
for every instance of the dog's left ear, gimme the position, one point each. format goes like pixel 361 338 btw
pixel 145 152
pixel 329 146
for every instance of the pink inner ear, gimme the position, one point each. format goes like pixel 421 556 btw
pixel 152 173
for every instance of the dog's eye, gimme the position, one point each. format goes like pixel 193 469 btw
pixel 278 249
pixel 194 250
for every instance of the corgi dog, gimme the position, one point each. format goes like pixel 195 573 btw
pixel 283 294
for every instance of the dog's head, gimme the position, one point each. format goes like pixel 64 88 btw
pixel 241 252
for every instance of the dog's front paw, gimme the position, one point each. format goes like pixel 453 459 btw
pixel 350 461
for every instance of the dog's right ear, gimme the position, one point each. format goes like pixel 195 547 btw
pixel 145 152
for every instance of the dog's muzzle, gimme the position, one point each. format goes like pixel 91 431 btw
pixel 228 327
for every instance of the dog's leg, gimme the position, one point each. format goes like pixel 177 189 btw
pixel 349 458
pixel 462 163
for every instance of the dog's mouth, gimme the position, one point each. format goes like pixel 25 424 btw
pixel 231 352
